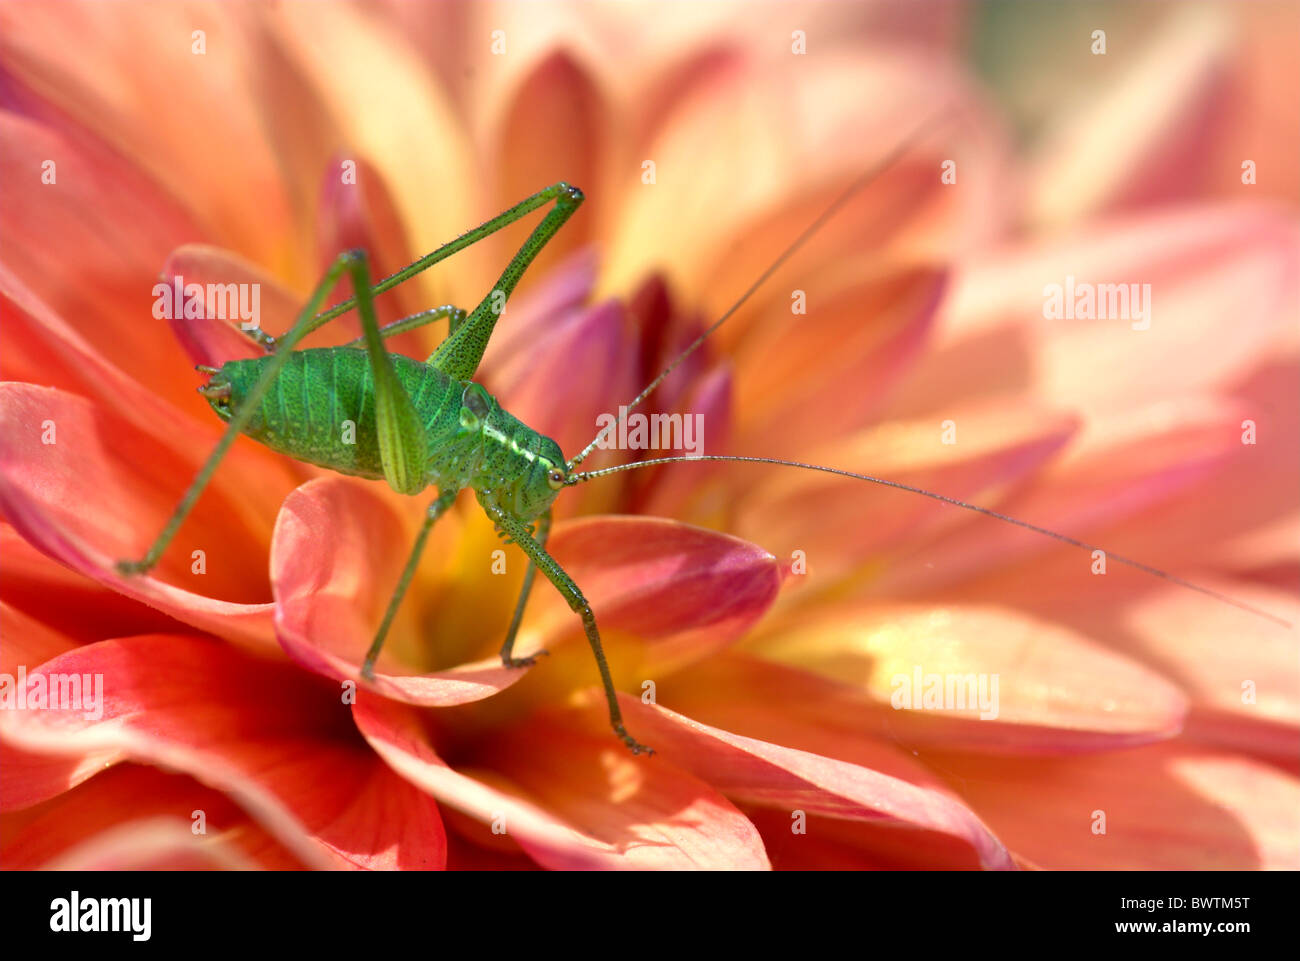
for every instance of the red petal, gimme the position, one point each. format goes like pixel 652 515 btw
pixel 95 495
pixel 131 818
pixel 73 605
pixel 28 641
pixel 262 732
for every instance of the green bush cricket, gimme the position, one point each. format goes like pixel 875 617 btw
pixel 422 424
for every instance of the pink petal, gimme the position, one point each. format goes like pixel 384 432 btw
pixel 1119 468
pixel 41 347
pixel 335 560
pixel 841 524
pixel 1223 288
pixel 536 311
pixel 360 213
pixel 571 795
pixel 588 353
pixel 261 732
pixel 685 591
pixel 697 489
pixel 1136 139
pixel 798 390
pixel 212 340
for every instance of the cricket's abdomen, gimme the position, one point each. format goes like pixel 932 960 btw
pixel 321 409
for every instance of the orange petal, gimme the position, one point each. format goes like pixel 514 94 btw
pixel 225 168
pixel 1103 489
pixel 416 142
pixel 555 128
pixel 571 796
pixel 917 823
pixel 1165 807
pixel 797 390
pixel 981 677
pixel 1239 671
pixel 83 248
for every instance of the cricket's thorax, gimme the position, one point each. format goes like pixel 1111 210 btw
pixel 321 409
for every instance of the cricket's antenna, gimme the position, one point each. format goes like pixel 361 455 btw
pixel 1065 539
pixel 870 174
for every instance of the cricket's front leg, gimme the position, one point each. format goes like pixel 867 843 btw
pixel 301 326
pixel 439 507
pixel 544 562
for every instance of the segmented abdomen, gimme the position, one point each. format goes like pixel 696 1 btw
pixel 321 407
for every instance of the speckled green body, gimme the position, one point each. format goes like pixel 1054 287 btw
pixel 321 409
pixel 361 410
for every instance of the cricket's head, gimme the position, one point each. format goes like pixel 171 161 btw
pixel 543 477
pixel 220 389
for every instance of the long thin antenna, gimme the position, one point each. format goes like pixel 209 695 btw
pixel 870 174
pixel 1074 542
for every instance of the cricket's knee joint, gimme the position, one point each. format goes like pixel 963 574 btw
pixel 573 193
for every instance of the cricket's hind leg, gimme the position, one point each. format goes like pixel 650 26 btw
pixel 507 649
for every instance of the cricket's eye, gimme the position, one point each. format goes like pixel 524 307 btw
pixel 555 478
